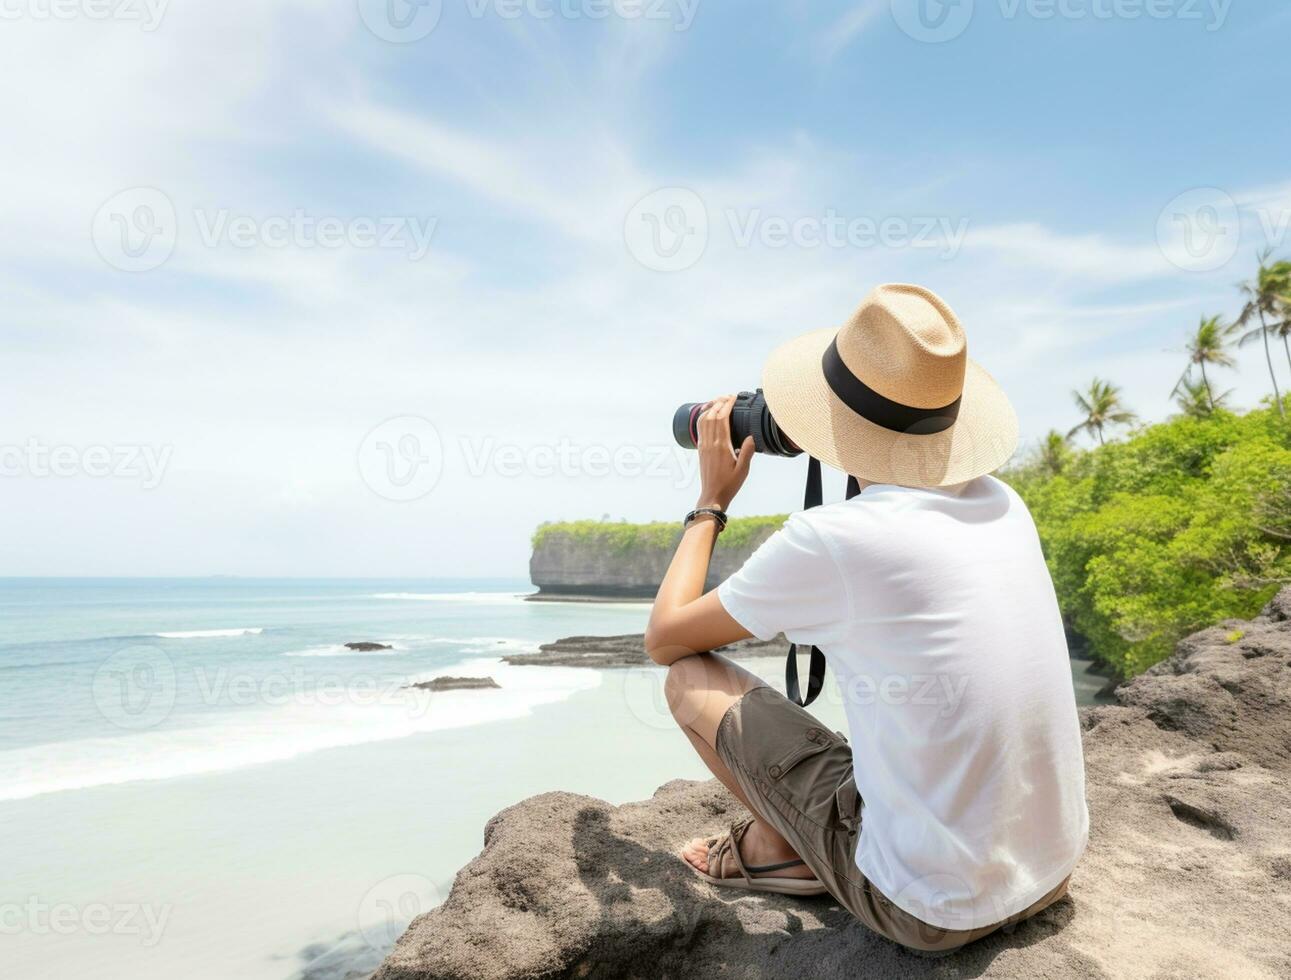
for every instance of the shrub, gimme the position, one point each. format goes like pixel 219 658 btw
pixel 1183 524
pixel 622 539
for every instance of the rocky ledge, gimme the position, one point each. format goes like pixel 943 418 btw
pixel 627 650
pixel 456 684
pixel 1188 871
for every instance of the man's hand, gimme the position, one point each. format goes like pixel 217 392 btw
pixel 721 471
pixel 684 620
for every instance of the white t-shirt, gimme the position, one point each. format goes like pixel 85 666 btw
pixel 936 613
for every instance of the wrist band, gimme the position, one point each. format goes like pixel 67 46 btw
pixel 718 515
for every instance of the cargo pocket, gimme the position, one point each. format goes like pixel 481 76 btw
pixel 813 742
pixel 806 775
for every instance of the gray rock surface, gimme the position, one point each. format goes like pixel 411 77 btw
pixel 456 684
pixel 366 646
pixel 627 650
pixel 1187 874
pixel 570 566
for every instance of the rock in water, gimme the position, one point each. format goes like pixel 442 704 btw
pixel 455 684
pixel 628 650
pixel 367 647
pixel 1186 875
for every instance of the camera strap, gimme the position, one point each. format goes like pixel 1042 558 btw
pixel 813 497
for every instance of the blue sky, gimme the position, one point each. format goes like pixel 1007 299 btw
pixel 1055 153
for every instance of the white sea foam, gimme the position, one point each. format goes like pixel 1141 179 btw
pixel 340 650
pixel 207 634
pixel 263 735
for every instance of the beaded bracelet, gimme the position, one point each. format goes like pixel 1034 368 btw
pixel 718 515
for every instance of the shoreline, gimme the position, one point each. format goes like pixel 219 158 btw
pixel 405 807
pixel 596 598
pixel 403 813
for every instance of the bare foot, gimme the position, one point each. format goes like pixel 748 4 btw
pixel 758 847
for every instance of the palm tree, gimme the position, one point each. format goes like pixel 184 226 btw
pixel 1196 400
pixel 1284 331
pixel 1053 453
pixel 1209 345
pixel 1268 298
pixel 1102 406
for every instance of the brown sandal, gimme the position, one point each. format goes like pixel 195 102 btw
pixel 730 841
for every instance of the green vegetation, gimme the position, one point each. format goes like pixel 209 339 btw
pixel 1102 406
pixel 624 538
pixel 1181 525
pixel 1208 345
pixel 1268 301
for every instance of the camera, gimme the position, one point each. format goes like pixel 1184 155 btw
pixel 749 417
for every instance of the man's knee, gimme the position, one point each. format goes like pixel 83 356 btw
pixel 684 676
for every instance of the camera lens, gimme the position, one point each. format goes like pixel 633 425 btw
pixel 749 417
pixel 684 422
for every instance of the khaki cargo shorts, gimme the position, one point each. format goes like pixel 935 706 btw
pixel 799 776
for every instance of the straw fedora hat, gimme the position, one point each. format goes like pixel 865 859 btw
pixel 892 397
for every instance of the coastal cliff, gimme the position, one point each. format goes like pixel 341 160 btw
pixel 1186 874
pixel 603 560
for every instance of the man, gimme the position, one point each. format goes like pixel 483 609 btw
pixel 959 806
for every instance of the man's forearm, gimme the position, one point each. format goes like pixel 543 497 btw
pixel 685 620
pixel 684 581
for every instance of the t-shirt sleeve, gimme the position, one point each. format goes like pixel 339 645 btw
pixel 790 585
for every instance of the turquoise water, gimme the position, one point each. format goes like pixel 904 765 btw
pixel 202 781
pixel 109 681
pixel 198 779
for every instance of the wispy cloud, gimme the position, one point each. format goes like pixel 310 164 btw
pixel 847 28
pixel 528 320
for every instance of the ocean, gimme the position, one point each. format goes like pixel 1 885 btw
pixel 198 778
pixel 111 681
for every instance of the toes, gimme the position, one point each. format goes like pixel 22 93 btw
pixel 696 853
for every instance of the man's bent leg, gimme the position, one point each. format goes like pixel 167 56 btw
pixel 700 689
